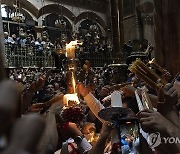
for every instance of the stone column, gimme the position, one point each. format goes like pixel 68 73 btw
pixel 148 27
pixel 2 50
pixel 145 8
pixel 117 29
pixel 115 24
pixel 167 34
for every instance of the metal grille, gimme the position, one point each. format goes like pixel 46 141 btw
pixel 28 56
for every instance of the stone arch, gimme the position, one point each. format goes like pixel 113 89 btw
pixel 92 16
pixel 24 4
pixel 56 9
pixel 54 17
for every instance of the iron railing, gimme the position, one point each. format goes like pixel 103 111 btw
pixel 28 56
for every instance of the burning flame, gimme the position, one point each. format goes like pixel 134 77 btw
pixel 70 97
pixel 151 61
pixel 70 48
pixel 94 137
pixel 73 83
pixel 73 43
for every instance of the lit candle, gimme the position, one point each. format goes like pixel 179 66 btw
pixel 139 102
pixel 70 49
pixel 116 100
pixel 156 66
pixel 70 97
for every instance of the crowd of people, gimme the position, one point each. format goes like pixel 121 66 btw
pixel 32 105
pixel 27 40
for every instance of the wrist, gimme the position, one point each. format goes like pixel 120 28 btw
pixel 78 139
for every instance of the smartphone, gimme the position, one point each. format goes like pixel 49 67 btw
pixel 129 135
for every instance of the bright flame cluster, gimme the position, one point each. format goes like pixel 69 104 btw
pixel 70 97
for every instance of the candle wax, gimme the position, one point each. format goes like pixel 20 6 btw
pixel 116 100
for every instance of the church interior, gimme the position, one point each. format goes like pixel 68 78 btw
pixel 90 76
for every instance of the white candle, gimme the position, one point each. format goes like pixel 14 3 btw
pixel 116 100
pixel 139 102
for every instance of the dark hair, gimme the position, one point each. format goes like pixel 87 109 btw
pixel 132 104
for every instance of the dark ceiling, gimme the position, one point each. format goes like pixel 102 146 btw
pixel 95 5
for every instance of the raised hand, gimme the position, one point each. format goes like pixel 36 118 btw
pixel 83 90
pixel 170 95
pixel 152 121
pixel 71 130
pixel 38 85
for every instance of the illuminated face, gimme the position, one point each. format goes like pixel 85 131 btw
pixel 50 88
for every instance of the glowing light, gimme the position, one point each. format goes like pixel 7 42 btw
pixel 70 48
pixel 73 83
pixel 151 61
pixel 70 97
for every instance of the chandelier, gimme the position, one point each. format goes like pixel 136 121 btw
pixel 17 16
pixel 60 23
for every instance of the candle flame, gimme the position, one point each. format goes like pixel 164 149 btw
pixel 73 83
pixel 70 97
pixel 70 48
pixel 73 43
pixel 151 61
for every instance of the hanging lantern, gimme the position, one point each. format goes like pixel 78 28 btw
pixel 93 28
pixel 60 23
pixel 17 16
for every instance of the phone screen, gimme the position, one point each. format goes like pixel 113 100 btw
pixel 129 129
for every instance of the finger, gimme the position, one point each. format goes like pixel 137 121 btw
pixel 147 124
pixel 145 119
pixel 144 114
pixel 167 87
pixel 170 91
pixel 174 94
pixel 148 111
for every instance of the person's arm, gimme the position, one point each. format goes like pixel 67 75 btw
pixel 167 108
pixel 99 147
pixel 50 136
pixel 129 91
pixel 94 104
pixel 28 95
pixel 173 131
pixel 152 121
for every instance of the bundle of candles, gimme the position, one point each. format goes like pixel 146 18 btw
pixel 146 74
pixel 72 111
pixel 145 103
pixel 156 66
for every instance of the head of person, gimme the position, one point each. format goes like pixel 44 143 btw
pixel 49 88
pixel 6 34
